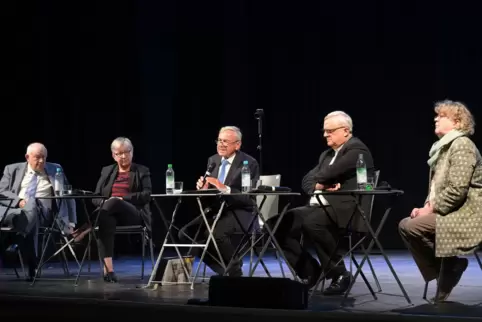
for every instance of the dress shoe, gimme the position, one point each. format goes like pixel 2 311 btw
pixel 110 277
pixel 450 279
pixel 339 285
pixel 12 249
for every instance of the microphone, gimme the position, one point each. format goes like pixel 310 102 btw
pixel 208 171
pixel 273 189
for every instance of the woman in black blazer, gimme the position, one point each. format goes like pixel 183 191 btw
pixel 128 187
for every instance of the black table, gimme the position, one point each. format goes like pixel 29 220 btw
pixel 169 240
pixel 55 225
pixel 372 235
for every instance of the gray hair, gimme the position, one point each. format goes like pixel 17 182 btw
pixel 235 129
pixel 121 141
pixel 33 146
pixel 345 119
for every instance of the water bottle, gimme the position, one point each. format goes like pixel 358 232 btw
pixel 361 172
pixel 245 177
pixel 59 182
pixel 169 180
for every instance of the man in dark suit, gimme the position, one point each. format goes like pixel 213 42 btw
pixel 336 170
pixel 226 177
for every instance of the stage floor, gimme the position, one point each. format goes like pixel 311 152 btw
pixel 465 301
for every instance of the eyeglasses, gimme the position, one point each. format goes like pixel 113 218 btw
pixel 224 142
pixel 329 131
pixel 120 154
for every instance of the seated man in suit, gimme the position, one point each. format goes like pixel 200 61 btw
pixel 336 169
pixel 226 177
pixel 25 182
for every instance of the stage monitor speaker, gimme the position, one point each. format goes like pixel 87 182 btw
pixel 258 292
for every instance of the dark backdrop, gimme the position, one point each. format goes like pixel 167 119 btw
pixel 169 74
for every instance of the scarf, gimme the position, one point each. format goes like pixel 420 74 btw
pixel 437 146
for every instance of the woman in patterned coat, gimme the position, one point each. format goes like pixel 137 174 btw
pixel 450 222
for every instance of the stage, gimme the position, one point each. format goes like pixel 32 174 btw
pixel 128 299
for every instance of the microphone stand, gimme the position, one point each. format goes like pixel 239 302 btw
pixel 259 116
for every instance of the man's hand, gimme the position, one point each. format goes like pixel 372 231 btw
pixel 334 187
pixel 215 182
pixel 199 184
pixel 22 203
pixel 319 186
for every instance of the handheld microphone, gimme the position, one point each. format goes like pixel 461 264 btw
pixel 273 189
pixel 208 171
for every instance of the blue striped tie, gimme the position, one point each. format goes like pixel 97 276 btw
pixel 222 173
pixel 32 187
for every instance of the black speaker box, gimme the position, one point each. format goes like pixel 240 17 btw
pixel 258 292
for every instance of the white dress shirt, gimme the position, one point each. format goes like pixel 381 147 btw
pixel 43 184
pixel 313 199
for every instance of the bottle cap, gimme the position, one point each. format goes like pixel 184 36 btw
pixel 169 165
pixel 245 162
pixel 59 170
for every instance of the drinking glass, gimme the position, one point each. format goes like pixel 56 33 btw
pixel 178 187
pixel 67 189
pixel 370 183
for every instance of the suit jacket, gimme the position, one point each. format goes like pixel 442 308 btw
pixel 10 187
pixel 241 204
pixel 140 189
pixel 342 171
pixel 457 184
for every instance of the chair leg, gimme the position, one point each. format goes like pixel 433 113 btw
pixel 278 258
pixel 478 259
pixel 20 259
pixel 143 235
pixel 251 255
pixel 204 271
pixel 89 254
pixel 441 274
pixel 151 247
pixel 425 291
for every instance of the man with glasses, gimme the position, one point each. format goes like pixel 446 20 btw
pixel 226 177
pixel 25 182
pixel 336 170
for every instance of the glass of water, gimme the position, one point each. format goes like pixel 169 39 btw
pixel 67 189
pixel 370 183
pixel 178 185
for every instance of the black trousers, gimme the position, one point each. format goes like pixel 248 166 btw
pixel 115 212
pixel 316 226
pixel 226 226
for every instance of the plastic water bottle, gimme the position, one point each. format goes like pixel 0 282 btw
pixel 245 177
pixel 59 182
pixel 169 180
pixel 361 172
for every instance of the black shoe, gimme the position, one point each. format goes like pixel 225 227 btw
pixel 451 279
pixel 110 278
pixel 339 285
pixel 12 249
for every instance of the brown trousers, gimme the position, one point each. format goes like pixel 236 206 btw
pixel 419 236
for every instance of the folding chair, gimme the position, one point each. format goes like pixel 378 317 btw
pixel 135 230
pixel 269 210
pixel 9 230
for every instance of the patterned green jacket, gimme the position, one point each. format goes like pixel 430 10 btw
pixel 456 197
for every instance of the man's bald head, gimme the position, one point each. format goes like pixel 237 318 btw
pixel 36 156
